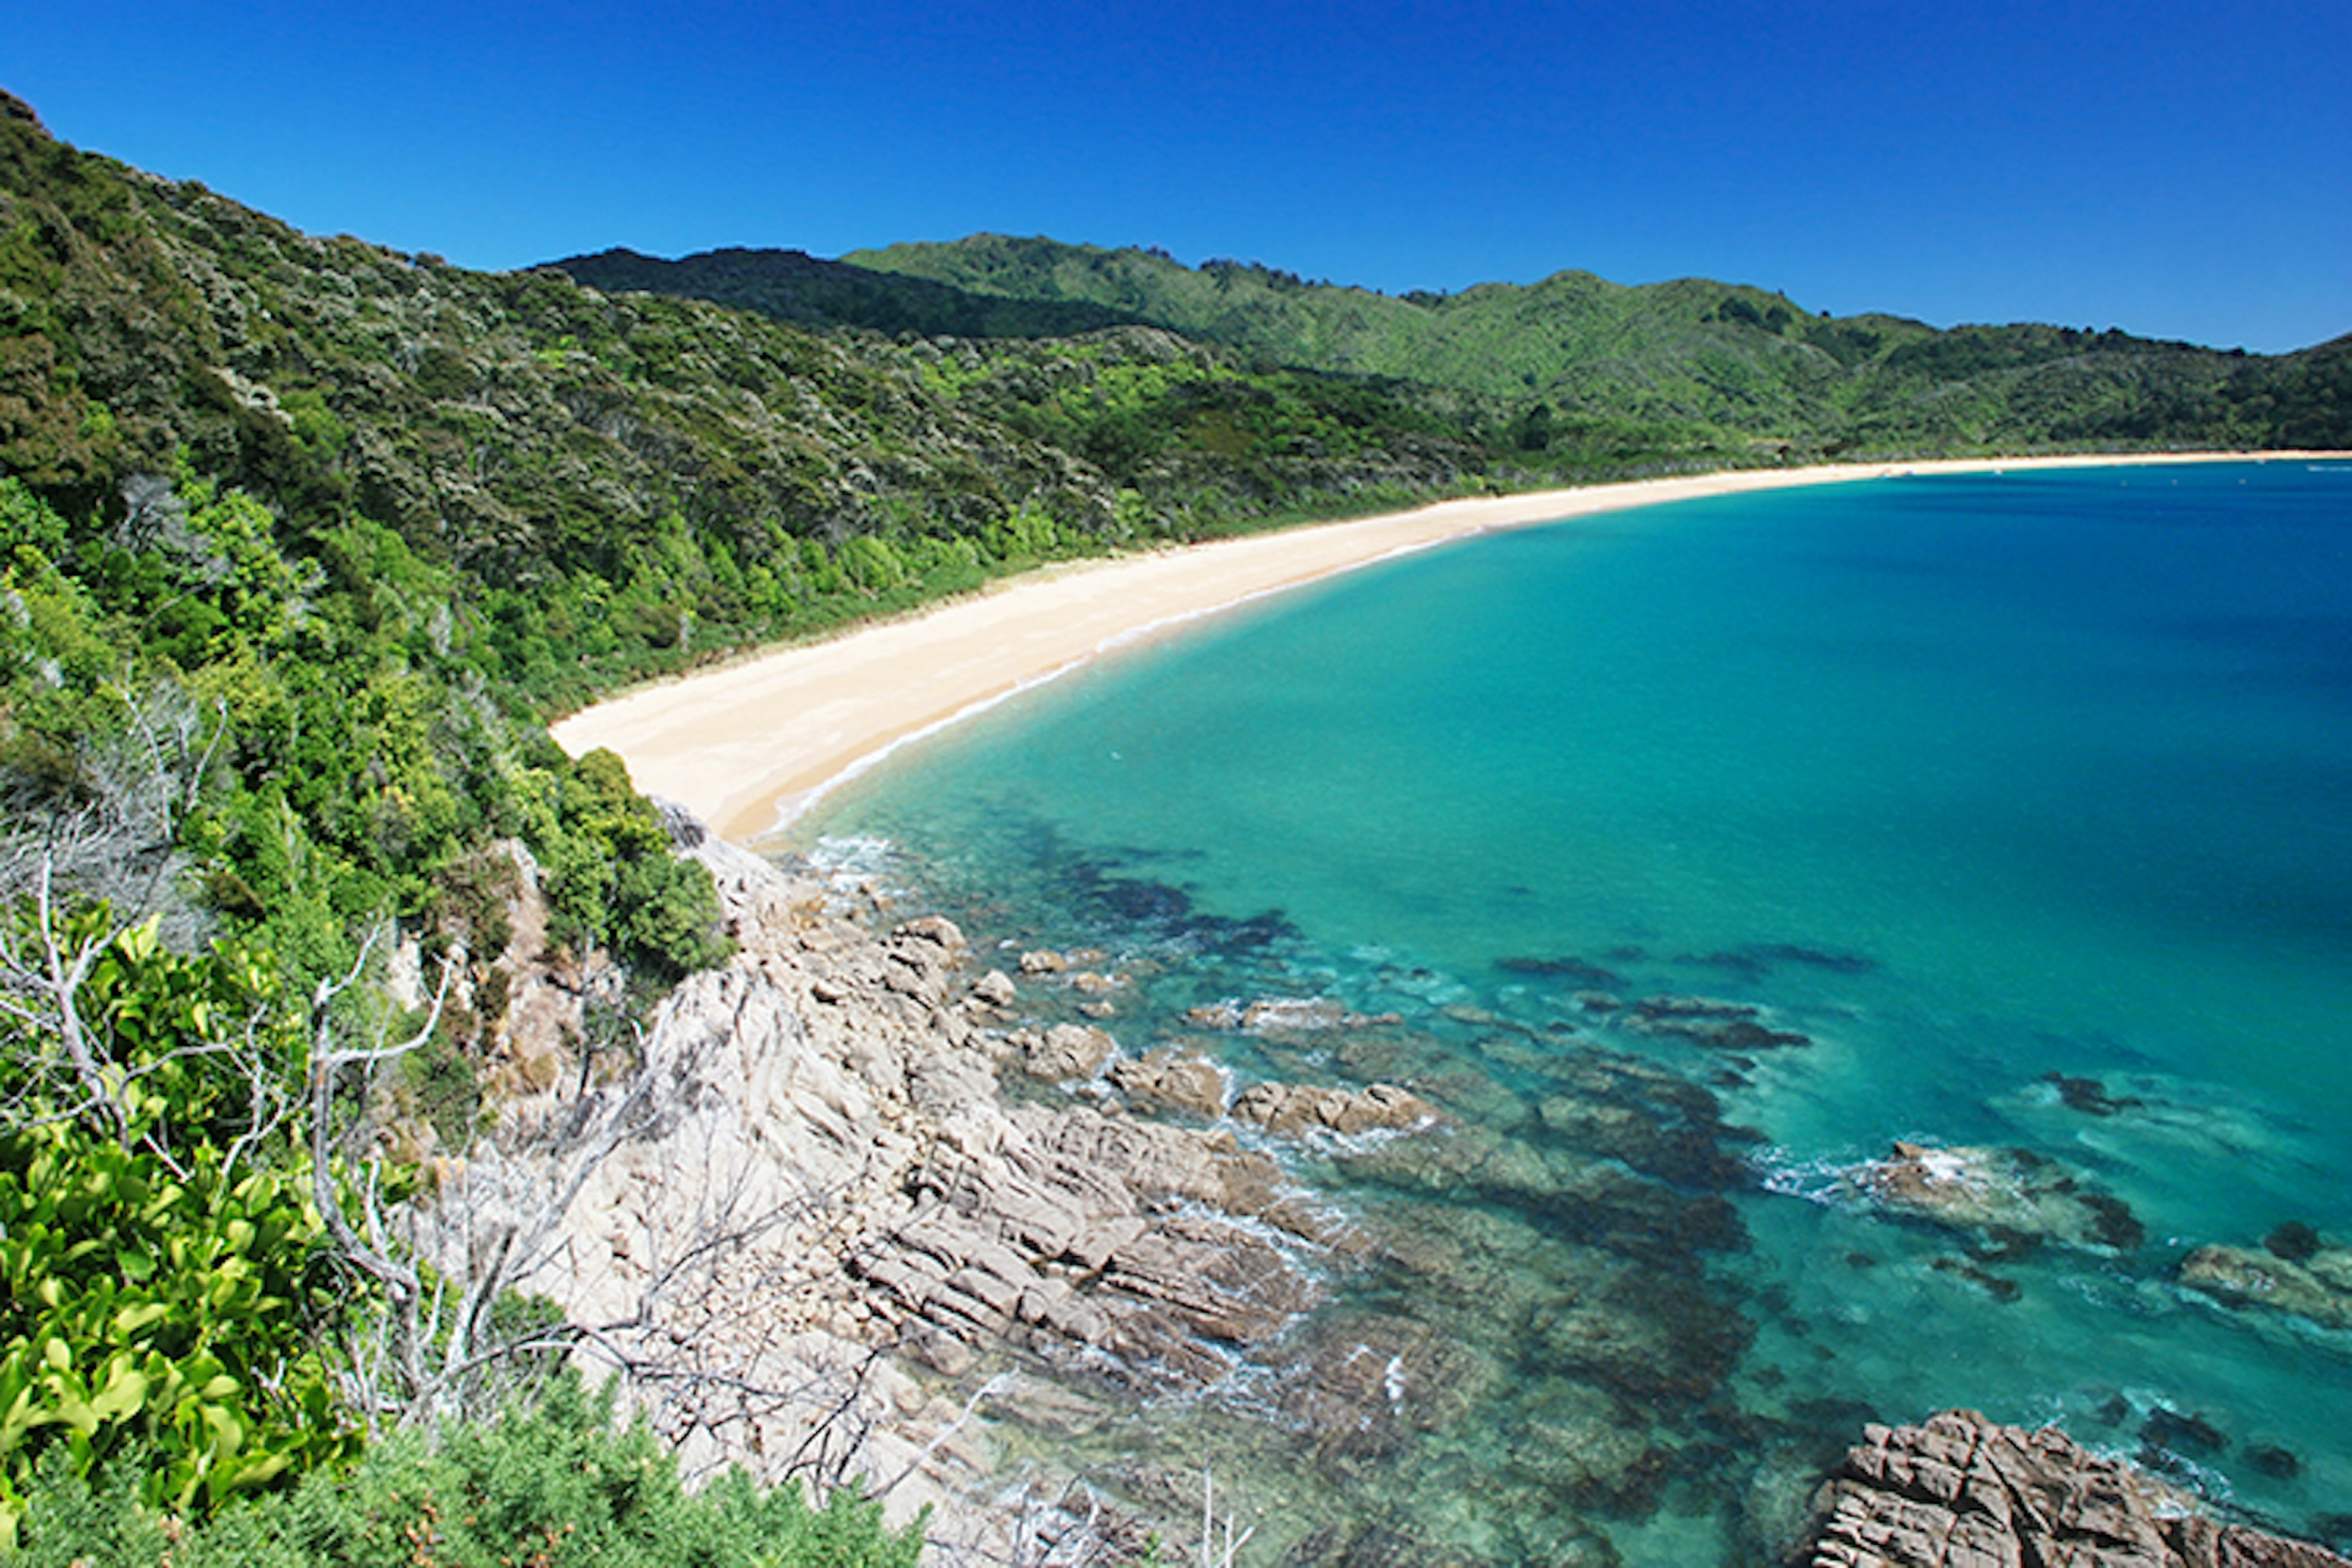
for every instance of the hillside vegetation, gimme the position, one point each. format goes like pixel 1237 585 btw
pixel 1576 347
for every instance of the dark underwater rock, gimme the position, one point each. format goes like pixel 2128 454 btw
pixel 2294 1241
pixel 1359 1386
pixel 1590 975
pixel 2087 1095
pixel 1705 1021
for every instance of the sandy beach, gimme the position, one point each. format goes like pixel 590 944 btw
pixel 749 746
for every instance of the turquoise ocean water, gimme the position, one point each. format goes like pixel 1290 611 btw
pixel 1970 781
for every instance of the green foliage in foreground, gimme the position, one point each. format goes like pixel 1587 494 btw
pixel 552 1486
pixel 161 1309
pixel 159 1289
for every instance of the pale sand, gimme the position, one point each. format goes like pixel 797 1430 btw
pixel 749 746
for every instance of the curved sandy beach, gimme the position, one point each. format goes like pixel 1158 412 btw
pixel 749 746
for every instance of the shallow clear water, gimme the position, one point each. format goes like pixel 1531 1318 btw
pixel 1968 780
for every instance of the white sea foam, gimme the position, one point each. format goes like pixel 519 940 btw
pixel 850 864
pixel 1827 1180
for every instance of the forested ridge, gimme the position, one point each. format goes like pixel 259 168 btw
pixel 302 539
pixel 1752 365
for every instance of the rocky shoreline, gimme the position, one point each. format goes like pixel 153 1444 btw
pixel 842 1215
pixel 904 1217
pixel 1962 1491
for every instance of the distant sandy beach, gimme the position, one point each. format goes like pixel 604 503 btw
pixel 749 746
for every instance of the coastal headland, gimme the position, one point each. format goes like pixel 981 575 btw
pixel 749 746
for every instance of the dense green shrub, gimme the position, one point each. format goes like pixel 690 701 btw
pixel 159 1287
pixel 613 883
pixel 169 1309
pixel 553 1485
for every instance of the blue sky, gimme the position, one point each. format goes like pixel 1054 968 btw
pixel 2175 170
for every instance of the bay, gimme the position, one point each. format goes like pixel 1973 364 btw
pixel 2025 799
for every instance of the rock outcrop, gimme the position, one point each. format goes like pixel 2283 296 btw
pixel 1962 1491
pixel 835 1180
pixel 1284 1016
pixel 2012 1196
pixel 1064 1052
pixel 1067 1231
pixel 1298 1108
pixel 1165 1080
pixel 2315 1286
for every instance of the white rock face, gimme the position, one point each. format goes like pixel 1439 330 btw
pixel 830 1223
pixel 802 1087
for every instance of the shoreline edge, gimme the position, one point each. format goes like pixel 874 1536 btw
pixel 749 746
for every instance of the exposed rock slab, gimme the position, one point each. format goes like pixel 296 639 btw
pixel 2318 1286
pixel 1171 1082
pixel 1065 1051
pixel 1300 1108
pixel 2009 1194
pixel 1960 1490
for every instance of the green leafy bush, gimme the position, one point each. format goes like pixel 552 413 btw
pixel 166 1310
pixel 553 1485
pixel 157 1291
pixel 612 881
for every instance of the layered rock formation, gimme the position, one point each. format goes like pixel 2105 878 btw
pixel 835 1182
pixel 1962 1491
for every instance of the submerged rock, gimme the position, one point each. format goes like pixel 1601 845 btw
pixel 2088 1095
pixel 1704 1021
pixel 2294 1241
pixel 2013 1197
pixel 1582 972
pixel 1459 1159
pixel 1657 1122
pixel 1357 1386
pixel 1960 1490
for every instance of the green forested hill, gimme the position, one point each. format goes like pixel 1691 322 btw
pixel 381 514
pixel 619 481
pixel 794 285
pixel 1731 355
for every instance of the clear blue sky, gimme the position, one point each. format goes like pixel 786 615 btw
pixel 2176 170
